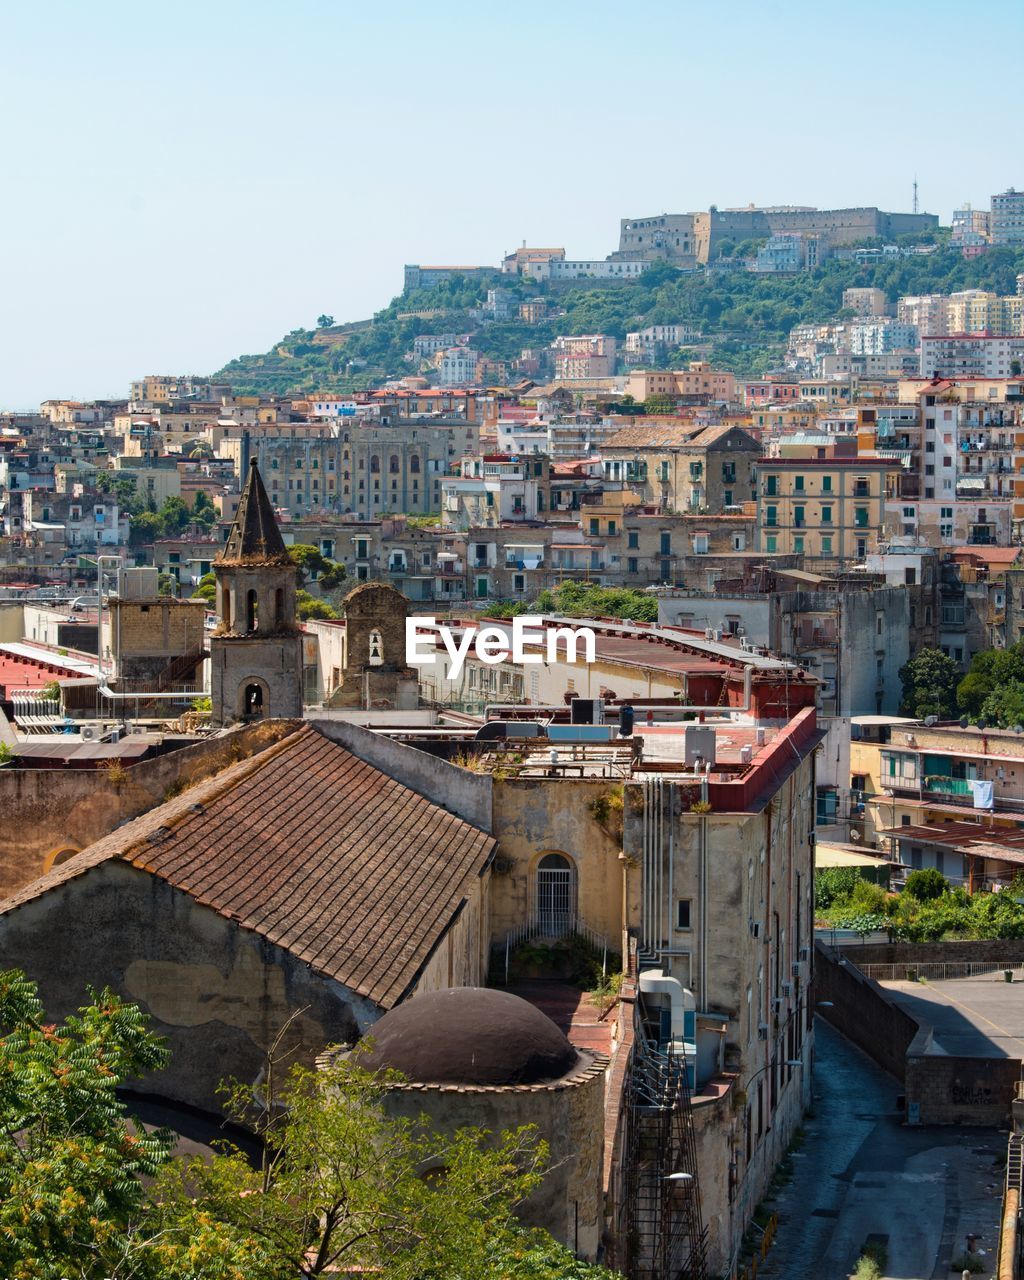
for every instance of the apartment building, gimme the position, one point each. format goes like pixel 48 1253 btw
pixel 584 356
pixel 943 796
pixel 698 383
pixel 367 469
pixel 495 488
pixel 1006 218
pixel 679 466
pixel 828 505
pixel 972 355
pixel 457 367
pixel 926 312
pixel 865 302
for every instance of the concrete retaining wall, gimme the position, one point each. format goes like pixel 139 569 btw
pixel 863 1012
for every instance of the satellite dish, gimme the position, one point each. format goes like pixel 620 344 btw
pixel 964 722
pixel 854 834
pixel 982 724
pixel 930 720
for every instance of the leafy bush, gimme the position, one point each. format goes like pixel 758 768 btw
pixel 834 884
pixel 926 884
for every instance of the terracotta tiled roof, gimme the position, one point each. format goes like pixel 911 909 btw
pixel 653 435
pixel 314 850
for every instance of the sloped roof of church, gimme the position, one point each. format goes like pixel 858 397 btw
pixel 314 850
pixel 254 535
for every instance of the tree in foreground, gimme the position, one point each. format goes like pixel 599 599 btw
pixel 342 1187
pixel 71 1160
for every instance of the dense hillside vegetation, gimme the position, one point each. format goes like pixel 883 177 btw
pixel 746 316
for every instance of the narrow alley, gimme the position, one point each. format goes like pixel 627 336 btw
pixel 861 1175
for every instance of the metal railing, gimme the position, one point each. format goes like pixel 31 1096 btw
pixel 937 970
pixel 567 925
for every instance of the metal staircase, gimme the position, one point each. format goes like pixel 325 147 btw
pixel 665 1234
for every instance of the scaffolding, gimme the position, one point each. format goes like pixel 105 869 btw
pixel 665 1237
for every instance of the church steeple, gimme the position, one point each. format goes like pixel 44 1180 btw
pixel 255 536
pixel 256 654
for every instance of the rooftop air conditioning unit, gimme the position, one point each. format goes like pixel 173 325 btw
pixel 795 969
pixel 787 988
pixel 88 733
pixel 804 953
pixel 762 1031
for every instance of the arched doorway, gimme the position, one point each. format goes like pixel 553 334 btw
pixel 253 705
pixel 556 895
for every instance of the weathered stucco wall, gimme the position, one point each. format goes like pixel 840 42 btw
pixel 460 958
pixel 219 994
pixel 535 816
pixel 457 790
pixel 47 813
pixel 569 1117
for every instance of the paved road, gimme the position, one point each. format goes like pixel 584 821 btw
pixel 976 1017
pixel 861 1173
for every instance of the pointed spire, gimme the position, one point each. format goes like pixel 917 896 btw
pixel 254 534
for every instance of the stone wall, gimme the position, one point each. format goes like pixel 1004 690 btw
pixel 48 814
pixel 219 994
pixel 569 1117
pixel 862 1011
pixel 987 951
pixel 942 1089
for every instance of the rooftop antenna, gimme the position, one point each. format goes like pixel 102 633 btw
pixel 915 194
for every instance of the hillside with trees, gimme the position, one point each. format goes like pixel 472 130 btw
pixel 746 317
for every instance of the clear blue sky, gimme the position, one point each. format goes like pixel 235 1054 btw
pixel 184 182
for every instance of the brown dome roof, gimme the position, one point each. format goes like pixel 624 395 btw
pixel 469 1035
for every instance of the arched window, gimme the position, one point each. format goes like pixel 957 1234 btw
pixel 225 605
pixel 252 609
pixel 556 895
pixel 374 464
pixel 393 464
pixel 279 607
pixel 414 464
pixel 253 707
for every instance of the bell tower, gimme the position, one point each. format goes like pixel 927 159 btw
pixel 256 651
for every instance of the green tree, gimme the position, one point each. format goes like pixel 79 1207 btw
pixel 314 566
pixel 324 321
pixel 341 1186
pixel 174 516
pixel 207 588
pixel 927 884
pixel 71 1161
pixel 307 607
pixel 994 674
pixel 204 513
pixel 145 528
pixel 1004 706
pixel 930 685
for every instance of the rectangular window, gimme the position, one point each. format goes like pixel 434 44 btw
pixel 771 485
pixel 771 516
pixel 634 539
pixel 826 545
pixel 826 515
pixel 666 544
pixel 771 544
pixel 683 913
pixel 826 484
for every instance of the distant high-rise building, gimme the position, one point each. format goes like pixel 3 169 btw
pixel 1007 218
